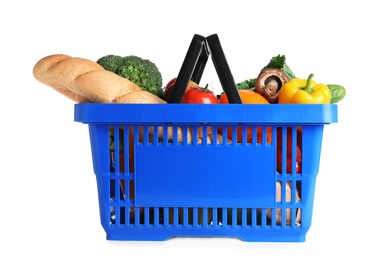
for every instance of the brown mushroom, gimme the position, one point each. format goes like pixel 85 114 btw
pixel 269 82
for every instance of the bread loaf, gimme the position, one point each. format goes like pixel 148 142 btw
pixel 40 73
pixel 83 80
pixel 139 97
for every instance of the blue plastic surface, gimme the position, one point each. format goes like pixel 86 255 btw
pixel 214 113
pixel 173 169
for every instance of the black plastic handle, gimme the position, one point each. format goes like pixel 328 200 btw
pixel 192 68
pixel 194 64
pixel 223 70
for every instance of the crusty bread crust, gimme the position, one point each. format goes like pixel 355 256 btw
pixel 102 86
pixel 138 97
pixel 40 73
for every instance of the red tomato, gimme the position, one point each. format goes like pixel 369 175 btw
pixel 199 95
pixel 171 84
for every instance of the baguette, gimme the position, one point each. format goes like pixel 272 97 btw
pixel 40 73
pixel 83 80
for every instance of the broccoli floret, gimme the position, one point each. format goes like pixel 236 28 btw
pixel 247 84
pixel 142 72
pixel 111 62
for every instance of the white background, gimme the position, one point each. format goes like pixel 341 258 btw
pixel 49 206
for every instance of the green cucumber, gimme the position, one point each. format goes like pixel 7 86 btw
pixel 337 93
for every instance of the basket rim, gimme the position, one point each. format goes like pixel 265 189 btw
pixel 206 113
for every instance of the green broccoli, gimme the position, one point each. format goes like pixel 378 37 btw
pixel 111 62
pixel 141 71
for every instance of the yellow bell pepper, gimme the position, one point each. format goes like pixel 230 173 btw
pixel 300 91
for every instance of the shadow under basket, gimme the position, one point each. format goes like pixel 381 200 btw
pixel 168 170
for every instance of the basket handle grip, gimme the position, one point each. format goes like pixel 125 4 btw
pixel 194 64
pixel 223 70
pixel 192 67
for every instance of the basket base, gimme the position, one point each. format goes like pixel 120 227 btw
pixel 245 239
pixel 246 235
